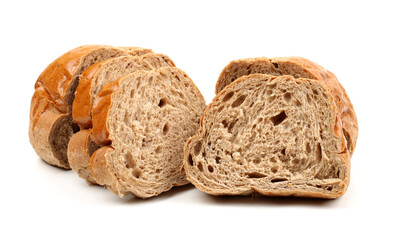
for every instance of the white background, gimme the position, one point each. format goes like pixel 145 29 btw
pixel 352 39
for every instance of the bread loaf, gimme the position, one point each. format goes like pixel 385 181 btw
pixel 275 135
pixel 91 82
pixel 51 125
pixel 143 121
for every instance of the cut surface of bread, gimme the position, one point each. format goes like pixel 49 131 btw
pixel 51 125
pixel 91 82
pixel 275 135
pixel 146 117
pixel 98 75
pixel 299 68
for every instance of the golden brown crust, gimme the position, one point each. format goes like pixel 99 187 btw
pixel 100 111
pixel 82 102
pixel 79 156
pixel 52 97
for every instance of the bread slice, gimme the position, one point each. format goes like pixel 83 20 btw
pixel 299 68
pixel 275 135
pixel 91 82
pixel 98 75
pixel 51 124
pixel 145 118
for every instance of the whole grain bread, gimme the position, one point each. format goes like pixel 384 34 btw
pixel 51 124
pixel 299 68
pixel 275 135
pixel 143 121
pixel 91 82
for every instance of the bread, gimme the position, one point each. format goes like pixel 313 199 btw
pixel 91 82
pixel 143 121
pixel 299 68
pixel 275 135
pixel 51 124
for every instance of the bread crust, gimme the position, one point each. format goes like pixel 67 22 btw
pixel 52 100
pixel 79 155
pixel 345 126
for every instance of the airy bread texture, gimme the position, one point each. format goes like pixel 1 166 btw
pixel 275 135
pixel 146 117
pixel 92 80
pixel 51 125
pixel 299 68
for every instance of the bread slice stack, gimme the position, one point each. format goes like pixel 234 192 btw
pixel 279 127
pixel 51 125
pixel 88 89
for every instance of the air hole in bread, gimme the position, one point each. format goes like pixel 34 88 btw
pixel 287 96
pixel 239 101
pixel 348 140
pixel 295 161
pixel 220 109
pixel 279 118
pixel 129 160
pixel 132 93
pixel 278 179
pixel 283 151
pixel 274 169
pixel 165 130
pixel 308 148
pixel 200 166
pixel 297 103
pixel 319 152
pixel 190 161
pixel 269 92
pixel 163 102
pixel 315 92
pixel 210 168
pixel 218 159
pixel 158 150
pixel 137 173
pixel 228 96
pixel 197 148
pixel 275 65
pixel 273 160
pixel 256 175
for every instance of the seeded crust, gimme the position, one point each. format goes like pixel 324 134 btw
pixel 242 147
pixel 146 117
pixel 51 125
pixel 92 81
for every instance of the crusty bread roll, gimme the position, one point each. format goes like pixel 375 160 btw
pixel 143 121
pixel 91 82
pixel 275 135
pixel 51 125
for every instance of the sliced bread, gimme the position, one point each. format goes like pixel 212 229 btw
pixel 144 118
pixel 91 82
pixel 275 135
pixel 299 68
pixel 51 125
